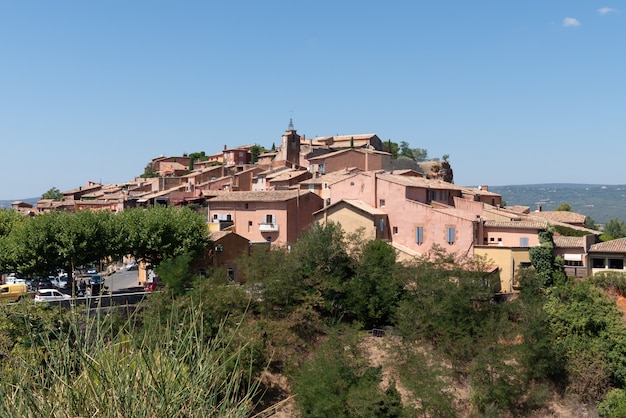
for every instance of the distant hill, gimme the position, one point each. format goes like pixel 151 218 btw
pixel 600 202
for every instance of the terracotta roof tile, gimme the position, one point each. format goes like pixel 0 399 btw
pixel 264 196
pixel 517 224
pixel 568 242
pixel 613 246
pixel 561 216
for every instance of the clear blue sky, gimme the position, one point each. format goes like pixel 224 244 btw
pixel 515 92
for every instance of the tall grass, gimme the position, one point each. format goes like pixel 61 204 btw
pixel 95 368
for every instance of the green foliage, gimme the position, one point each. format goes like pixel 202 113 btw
pixel 569 232
pixel 392 148
pixel 613 405
pixel 591 336
pixel 440 291
pixel 563 207
pixel 53 193
pixel 336 383
pixel 610 280
pixel 175 273
pixel 158 233
pixel 615 228
pixel 255 151
pixel 417 154
pixel 196 156
pixel 548 267
pixel 173 371
pixel 375 289
pixel 323 265
pixel 422 374
pixel 149 172
pixel 591 224
pixel 38 245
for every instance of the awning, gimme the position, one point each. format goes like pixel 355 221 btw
pixel 573 257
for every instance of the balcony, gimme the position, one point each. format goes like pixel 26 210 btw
pixel 265 227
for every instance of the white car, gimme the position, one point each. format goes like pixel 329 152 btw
pixel 50 295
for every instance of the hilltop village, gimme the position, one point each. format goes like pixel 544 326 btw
pixel 414 206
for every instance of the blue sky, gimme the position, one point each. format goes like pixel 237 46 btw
pixel 515 92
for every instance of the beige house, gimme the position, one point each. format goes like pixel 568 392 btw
pixel 356 216
pixel 608 256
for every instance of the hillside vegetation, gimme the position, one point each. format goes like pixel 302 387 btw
pixel 332 327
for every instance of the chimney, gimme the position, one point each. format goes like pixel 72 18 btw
pixel 538 208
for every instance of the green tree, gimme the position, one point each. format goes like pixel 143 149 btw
pixel 374 291
pixel 158 233
pixel 548 267
pixel 615 228
pixel 591 224
pixel 149 171
pixel 255 151
pixel 392 148
pixel 335 383
pixel 417 154
pixel 563 207
pixel 53 193
pixel 196 156
pixel 323 264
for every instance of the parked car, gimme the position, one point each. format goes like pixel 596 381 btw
pixel 60 282
pixel 132 266
pixel 42 283
pixel 13 278
pixel 96 283
pixel 13 292
pixel 50 295
pixel 92 270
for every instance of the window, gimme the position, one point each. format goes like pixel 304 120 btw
pixel 616 263
pixel 325 185
pixel 597 263
pixel 572 263
pixel 395 229
pixel 270 219
pixel 269 239
pixel 381 224
pixel 450 234
pixel 523 242
pixel 419 234
pixel 249 223
pixel 232 273
pixel 311 187
pixel 246 206
pixel 381 203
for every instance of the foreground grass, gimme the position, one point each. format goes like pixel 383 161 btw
pixel 103 369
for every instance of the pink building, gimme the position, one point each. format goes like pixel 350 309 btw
pixel 271 216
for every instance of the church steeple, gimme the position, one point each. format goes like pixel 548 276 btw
pixel 290 127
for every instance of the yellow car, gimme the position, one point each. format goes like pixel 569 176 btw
pixel 13 292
